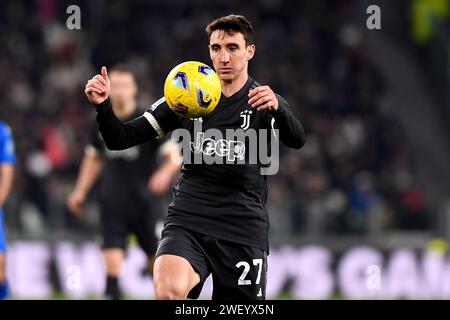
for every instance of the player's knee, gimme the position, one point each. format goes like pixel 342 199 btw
pixel 169 292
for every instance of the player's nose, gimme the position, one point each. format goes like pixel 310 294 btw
pixel 224 57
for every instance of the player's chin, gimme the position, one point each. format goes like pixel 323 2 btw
pixel 226 76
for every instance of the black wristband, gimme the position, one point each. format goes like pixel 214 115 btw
pixel 103 105
pixel 279 112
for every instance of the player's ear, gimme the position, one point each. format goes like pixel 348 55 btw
pixel 250 51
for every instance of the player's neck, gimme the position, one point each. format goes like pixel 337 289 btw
pixel 230 88
pixel 124 111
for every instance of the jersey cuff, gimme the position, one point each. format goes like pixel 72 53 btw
pixel 151 119
pixel 281 109
pixel 104 104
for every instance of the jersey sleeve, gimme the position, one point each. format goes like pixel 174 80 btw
pixel 7 149
pixel 162 118
pixel 120 135
pixel 289 128
pixel 157 121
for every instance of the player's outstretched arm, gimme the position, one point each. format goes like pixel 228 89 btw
pixel 117 135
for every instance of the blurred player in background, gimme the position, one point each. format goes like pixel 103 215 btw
pixel 128 197
pixel 7 162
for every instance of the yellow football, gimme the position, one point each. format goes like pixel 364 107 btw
pixel 192 89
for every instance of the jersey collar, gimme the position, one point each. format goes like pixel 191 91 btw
pixel 239 94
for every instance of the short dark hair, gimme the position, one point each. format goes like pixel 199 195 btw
pixel 231 24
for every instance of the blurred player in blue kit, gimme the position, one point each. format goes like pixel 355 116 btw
pixel 7 162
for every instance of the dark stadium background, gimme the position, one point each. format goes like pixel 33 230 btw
pixel 369 192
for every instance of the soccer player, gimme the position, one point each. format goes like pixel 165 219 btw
pixel 217 223
pixel 126 204
pixel 7 162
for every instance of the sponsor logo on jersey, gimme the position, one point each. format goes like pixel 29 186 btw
pixel 245 115
pixel 222 148
pixel 234 146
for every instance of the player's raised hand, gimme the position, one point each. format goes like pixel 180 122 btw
pixel 263 98
pixel 98 87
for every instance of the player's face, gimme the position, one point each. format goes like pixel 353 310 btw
pixel 123 88
pixel 229 54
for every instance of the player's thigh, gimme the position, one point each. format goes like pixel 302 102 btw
pixel 239 272
pixel 181 262
pixel 174 275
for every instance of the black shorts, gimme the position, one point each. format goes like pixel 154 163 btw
pixel 120 221
pixel 238 271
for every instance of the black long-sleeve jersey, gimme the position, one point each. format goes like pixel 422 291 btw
pixel 228 200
